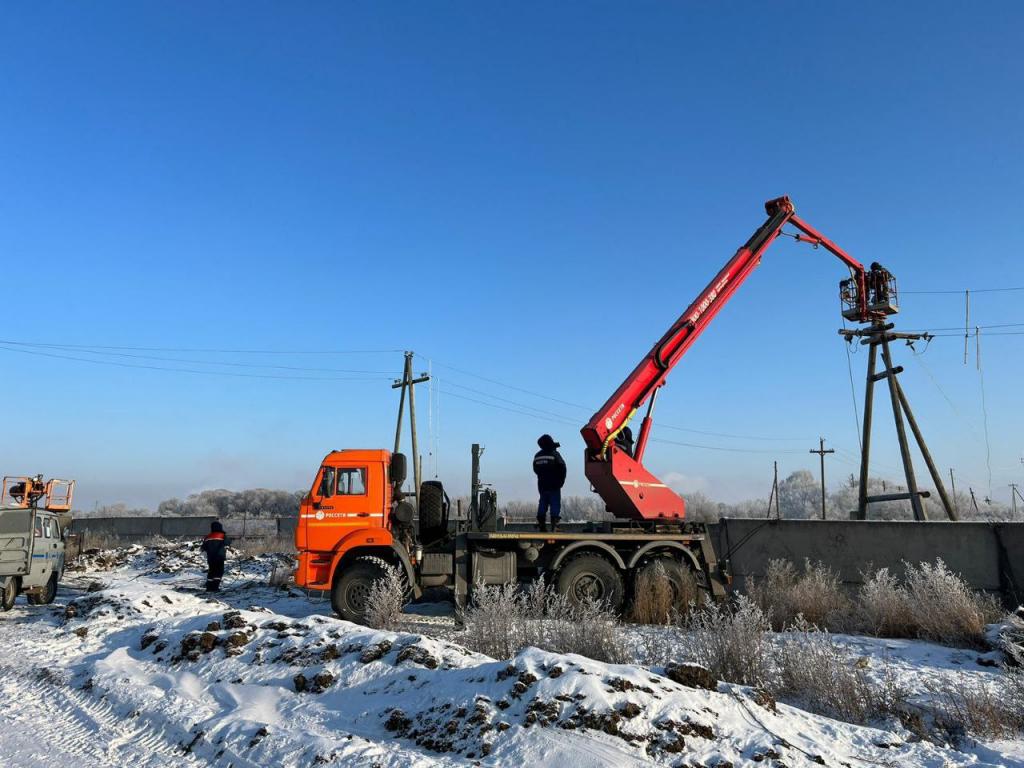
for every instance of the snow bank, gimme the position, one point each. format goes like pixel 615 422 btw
pixel 258 688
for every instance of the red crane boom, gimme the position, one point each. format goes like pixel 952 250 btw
pixel 618 474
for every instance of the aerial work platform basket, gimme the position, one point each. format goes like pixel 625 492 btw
pixel 27 492
pixel 882 297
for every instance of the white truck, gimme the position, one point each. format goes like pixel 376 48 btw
pixel 32 538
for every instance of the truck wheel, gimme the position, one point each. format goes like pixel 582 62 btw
pixel 47 595
pixel 591 578
pixel 8 594
pixel 431 505
pixel 352 589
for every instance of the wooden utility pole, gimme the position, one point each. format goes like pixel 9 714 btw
pixel 952 485
pixel 774 495
pixel 408 382
pixel 821 453
pixel 877 337
pixel 1013 498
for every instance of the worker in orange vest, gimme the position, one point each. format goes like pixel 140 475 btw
pixel 215 545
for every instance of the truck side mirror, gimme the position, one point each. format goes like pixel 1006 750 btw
pixel 397 470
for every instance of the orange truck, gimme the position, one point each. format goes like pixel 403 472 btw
pixel 356 519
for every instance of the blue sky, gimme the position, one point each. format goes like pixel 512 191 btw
pixel 527 192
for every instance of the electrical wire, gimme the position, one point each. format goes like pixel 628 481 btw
pixel 451 383
pixel 962 290
pixel 192 361
pixel 564 420
pixel 960 328
pixel 724 448
pixel 920 361
pixel 518 404
pixel 189 370
pixel 853 390
pixel 213 350
pixel 507 386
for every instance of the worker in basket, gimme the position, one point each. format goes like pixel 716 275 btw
pixel 549 466
pixel 878 283
pixel 215 545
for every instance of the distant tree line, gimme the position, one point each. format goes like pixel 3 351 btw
pixel 799 499
pixel 220 503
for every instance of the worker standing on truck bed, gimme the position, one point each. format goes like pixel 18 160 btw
pixel 549 466
pixel 216 548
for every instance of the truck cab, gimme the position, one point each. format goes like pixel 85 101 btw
pixel 32 532
pixel 353 511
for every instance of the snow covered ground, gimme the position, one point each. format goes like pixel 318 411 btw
pixel 146 670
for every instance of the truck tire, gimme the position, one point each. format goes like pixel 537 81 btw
pixel 431 506
pixel 48 593
pixel 8 594
pixel 351 590
pixel 686 587
pixel 590 577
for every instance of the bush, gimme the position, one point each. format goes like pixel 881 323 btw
pixel 732 643
pixel 883 606
pixel 944 609
pixel 502 620
pixel 991 709
pixel 816 594
pixel 386 599
pixel 825 678
pixel 653 601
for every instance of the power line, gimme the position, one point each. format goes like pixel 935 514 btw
pixel 706 433
pixel 963 290
pixel 564 420
pixel 189 370
pixel 451 383
pixel 506 385
pixel 211 350
pixel 726 449
pixel 228 363
pixel 960 328
pixel 853 391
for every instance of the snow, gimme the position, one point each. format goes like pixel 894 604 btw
pixel 148 671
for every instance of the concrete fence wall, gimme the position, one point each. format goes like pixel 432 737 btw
pixel 989 556
pixel 181 527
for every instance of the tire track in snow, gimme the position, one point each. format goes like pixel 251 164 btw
pixel 84 727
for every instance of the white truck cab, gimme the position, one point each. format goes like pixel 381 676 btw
pixel 32 538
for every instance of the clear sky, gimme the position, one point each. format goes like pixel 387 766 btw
pixel 526 192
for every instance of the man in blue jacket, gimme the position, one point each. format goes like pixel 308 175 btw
pixel 216 548
pixel 549 466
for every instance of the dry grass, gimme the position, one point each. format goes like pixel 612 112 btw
pixel 816 594
pixel 386 599
pixel 933 603
pixel 992 709
pixel 733 643
pixel 944 609
pixel 816 672
pixel 654 601
pixel 263 545
pixel 502 620
pixel 883 606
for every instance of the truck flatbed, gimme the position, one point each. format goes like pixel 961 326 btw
pixel 623 535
